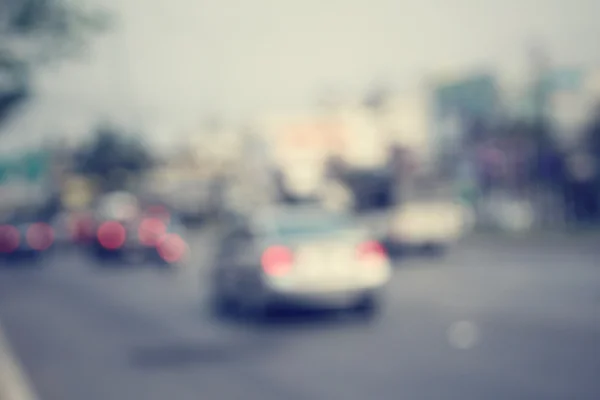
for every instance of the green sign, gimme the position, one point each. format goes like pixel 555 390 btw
pixel 563 79
pixel 536 99
pixel 473 97
pixel 32 167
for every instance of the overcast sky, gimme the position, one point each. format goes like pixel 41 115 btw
pixel 169 62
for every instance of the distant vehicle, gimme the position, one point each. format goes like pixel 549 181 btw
pixel 24 233
pixel 193 199
pixel 126 229
pixel 298 256
pixel 426 227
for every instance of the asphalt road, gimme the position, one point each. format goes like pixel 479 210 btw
pixel 514 319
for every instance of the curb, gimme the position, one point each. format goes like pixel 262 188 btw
pixel 14 384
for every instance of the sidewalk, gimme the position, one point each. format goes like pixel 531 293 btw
pixel 14 385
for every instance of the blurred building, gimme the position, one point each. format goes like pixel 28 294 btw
pixel 461 107
pixel 565 96
pixel 471 97
pixel 407 122
pixel 298 145
pixel 569 103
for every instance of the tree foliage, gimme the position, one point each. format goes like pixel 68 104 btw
pixel 111 155
pixel 36 32
pixel 39 31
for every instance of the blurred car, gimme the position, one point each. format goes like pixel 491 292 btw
pixel 24 233
pixel 193 199
pixel 428 227
pixel 125 229
pixel 297 256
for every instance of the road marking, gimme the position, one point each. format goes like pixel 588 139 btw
pixel 14 384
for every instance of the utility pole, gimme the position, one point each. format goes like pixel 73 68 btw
pixel 540 65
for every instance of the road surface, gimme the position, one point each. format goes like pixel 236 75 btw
pixel 494 320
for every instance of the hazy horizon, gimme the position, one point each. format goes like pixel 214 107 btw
pixel 170 64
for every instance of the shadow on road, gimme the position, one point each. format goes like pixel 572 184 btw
pixel 292 319
pixel 183 355
pixel 194 354
pixel 22 263
pixel 253 338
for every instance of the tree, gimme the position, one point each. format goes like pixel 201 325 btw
pixel 113 157
pixel 34 33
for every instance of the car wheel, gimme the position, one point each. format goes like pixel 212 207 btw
pixel 223 305
pixel 99 253
pixel 222 299
pixel 255 305
pixel 434 249
pixel 36 260
pixel 368 307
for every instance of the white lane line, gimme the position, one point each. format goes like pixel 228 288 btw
pixel 14 384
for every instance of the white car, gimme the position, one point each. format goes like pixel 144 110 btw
pixel 425 225
pixel 298 256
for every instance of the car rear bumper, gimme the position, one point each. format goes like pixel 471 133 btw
pixel 334 297
pixel 320 300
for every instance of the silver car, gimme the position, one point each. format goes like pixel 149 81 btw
pixel 297 257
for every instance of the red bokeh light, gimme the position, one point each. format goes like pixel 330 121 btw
pixel 111 235
pixel 9 239
pixel 40 236
pixel 171 248
pixel 150 231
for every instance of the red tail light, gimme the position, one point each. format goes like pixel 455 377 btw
pixel 40 236
pixel 171 248
pixel 277 260
pixel 150 231
pixel 10 239
pixel 111 235
pixel 371 251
